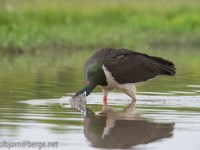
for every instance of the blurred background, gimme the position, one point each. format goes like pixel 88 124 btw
pixel 44 44
pixel 43 47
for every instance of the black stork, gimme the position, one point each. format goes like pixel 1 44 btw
pixel 122 69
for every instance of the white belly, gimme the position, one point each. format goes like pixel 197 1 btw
pixel 112 84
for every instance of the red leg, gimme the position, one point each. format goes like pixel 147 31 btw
pixel 105 100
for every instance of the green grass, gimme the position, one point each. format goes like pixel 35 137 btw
pixel 34 27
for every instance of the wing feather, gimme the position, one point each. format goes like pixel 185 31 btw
pixel 130 67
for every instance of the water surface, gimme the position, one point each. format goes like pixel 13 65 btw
pixel 165 116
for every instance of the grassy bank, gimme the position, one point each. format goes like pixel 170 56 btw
pixel 34 27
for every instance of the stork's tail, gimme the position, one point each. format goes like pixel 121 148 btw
pixel 167 67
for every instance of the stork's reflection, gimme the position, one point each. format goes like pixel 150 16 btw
pixel 112 129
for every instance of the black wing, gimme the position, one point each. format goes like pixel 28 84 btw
pixel 129 66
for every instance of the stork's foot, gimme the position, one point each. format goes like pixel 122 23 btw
pixel 105 100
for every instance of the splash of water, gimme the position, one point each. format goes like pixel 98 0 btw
pixel 78 103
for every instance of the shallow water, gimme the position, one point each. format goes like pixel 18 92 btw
pixel 165 116
pixel 154 123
